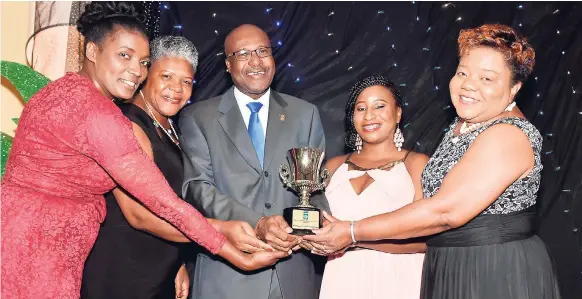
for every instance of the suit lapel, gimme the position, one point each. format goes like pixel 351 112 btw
pixel 234 127
pixel 275 127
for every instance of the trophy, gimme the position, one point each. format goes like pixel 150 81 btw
pixel 303 176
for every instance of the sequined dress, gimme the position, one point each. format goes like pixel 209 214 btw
pixel 496 254
pixel 72 145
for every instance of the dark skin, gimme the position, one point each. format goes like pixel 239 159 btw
pixel 375 119
pixel 249 37
pixel 481 90
pixel 253 78
pixel 167 89
pixel 119 65
pixel 116 67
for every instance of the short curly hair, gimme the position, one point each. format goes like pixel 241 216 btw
pixel 355 91
pixel 174 46
pixel 518 53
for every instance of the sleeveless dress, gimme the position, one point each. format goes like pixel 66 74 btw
pixel 129 263
pixel 72 145
pixel 364 273
pixel 496 254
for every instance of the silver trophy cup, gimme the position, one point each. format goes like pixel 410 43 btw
pixel 304 176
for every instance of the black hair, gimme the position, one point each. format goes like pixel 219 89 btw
pixel 355 91
pixel 100 18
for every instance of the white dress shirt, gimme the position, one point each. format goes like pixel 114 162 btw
pixel 242 100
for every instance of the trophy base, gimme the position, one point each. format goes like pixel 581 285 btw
pixel 303 219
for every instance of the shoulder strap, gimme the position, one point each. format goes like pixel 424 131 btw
pixel 348 157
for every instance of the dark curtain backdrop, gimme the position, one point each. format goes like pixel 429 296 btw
pixel 324 47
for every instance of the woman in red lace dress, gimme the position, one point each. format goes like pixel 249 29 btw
pixel 73 145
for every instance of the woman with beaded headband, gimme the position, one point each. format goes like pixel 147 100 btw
pixel 480 186
pixel 378 177
pixel 72 145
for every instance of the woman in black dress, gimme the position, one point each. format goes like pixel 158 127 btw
pixel 480 186
pixel 137 254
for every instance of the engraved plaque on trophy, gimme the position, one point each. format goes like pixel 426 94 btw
pixel 304 176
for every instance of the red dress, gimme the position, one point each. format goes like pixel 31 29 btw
pixel 73 145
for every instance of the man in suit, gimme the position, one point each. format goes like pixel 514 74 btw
pixel 234 145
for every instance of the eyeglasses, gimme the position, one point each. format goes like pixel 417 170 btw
pixel 244 54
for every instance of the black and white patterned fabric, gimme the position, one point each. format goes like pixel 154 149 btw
pixel 518 196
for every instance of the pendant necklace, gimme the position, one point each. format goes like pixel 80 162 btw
pixel 169 131
pixel 469 128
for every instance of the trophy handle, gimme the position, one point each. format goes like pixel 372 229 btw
pixel 325 178
pixel 284 173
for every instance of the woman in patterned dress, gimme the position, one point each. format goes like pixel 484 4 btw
pixel 72 145
pixel 479 187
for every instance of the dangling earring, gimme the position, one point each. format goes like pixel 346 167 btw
pixel 398 138
pixel 510 107
pixel 358 143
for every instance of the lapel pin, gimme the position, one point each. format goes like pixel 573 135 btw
pixel 282 117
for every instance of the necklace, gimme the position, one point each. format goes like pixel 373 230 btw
pixel 386 166
pixel 468 128
pixel 169 131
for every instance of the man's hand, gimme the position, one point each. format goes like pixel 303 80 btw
pixel 275 231
pixel 243 236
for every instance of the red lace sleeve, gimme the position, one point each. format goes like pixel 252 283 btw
pixel 110 141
